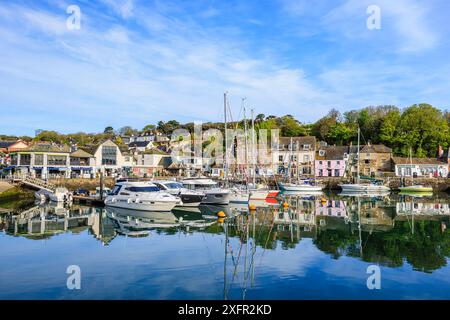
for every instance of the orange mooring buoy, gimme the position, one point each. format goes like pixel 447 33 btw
pixel 221 214
pixel 285 205
pixel 252 207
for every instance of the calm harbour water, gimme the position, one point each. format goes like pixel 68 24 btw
pixel 314 249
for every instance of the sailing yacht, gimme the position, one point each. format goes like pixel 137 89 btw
pixel 360 187
pixel 414 188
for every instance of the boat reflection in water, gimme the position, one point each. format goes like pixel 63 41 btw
pixel 280 250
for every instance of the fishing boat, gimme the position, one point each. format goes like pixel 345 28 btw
pixel 140 195
pixel 415 187
pixel 374 186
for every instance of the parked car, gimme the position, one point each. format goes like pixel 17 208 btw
pixel 82 192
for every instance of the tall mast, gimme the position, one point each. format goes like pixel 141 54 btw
pixel 290 161
pixel 254 149
pixel 357 177
pixel 225 165
pixel 245 138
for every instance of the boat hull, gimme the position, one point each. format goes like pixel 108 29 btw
pixel 299 187
pixel 161 206
pixel 348 188
pixel 220 198
pixel 416 189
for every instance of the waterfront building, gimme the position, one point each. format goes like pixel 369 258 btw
pixel 297 153
pixel 420 167
pixel 81 164
pixel 331 161
pixel 109 159
pixel 42 160
pixel 151 163
pixel 375 160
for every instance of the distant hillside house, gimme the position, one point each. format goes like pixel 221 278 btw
pixel 331 161
pixel 140 146
pixel 11 146
pixel 298 153
pixel 420 167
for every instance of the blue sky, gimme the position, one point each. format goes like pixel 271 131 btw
pixel 134 62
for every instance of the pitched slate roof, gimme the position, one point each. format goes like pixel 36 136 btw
pixel 6 144
pixel 375 148
pixel 80 153
pixel 47 147
pixel 401 160
pixel 139 144
pixel 311 140
pixel 332 153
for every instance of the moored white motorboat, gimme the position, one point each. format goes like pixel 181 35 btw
pixel 299 187
pixel 365 188
pixel 213 194
pixel 144 196
pixel 189 198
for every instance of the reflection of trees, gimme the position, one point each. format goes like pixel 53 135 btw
pixel 426 249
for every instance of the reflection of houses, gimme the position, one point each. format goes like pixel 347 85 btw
pixel 331 161
pixel 298 153
pixel 420 167
pixel 422 208
pixel 335 208
pixel 44 222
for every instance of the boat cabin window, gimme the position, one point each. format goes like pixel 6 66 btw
pixel 174 185
pixel 116 190
pixel 143 189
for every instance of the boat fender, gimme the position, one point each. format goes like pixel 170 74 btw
pixel 252 207
pixel 285 205
pixel 221 214
pixel 129 201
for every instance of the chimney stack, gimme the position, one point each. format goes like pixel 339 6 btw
pixel 440 151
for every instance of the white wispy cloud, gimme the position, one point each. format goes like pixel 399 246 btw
pixel 174 68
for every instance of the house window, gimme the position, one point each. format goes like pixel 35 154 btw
pixel 336 173
pixel 56 160
pixel 320 162
pixel 329 163
pixel 306 158
pixel 367 161
pixel 306 146
pixel 109 155
pixel 280 158
pixel 38 159
pixel 25 159
pixel 338 162
pixel 320 173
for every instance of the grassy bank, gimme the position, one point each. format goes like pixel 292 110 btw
pixel 88 184
pixel 16 198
